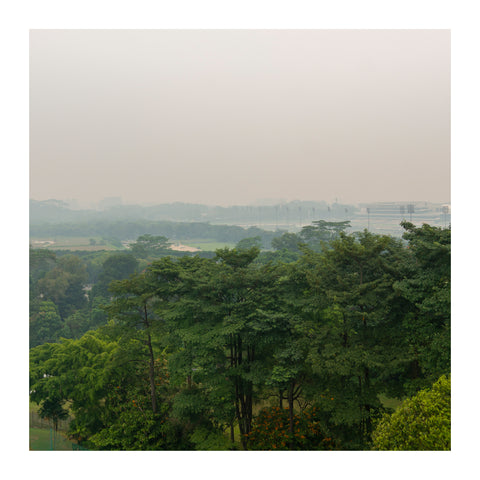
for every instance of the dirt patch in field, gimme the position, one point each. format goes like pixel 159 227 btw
pixel 184 248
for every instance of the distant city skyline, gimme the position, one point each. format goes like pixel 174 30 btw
pixel 230 117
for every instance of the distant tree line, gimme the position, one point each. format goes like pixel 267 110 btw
pixel 129 230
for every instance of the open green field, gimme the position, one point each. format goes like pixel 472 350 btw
pixel 84 244
pixel 42 437
pixel 71 243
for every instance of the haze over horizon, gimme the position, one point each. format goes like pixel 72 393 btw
pixel 228 117
pixel 107 202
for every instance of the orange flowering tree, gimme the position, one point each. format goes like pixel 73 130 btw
pixel 270 431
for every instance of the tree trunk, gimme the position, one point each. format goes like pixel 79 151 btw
pixel 290 411
pixel 243 392
pixel 368 420
pixel 153 392
pixel 238 412
pixel 345 334
pixel 151 372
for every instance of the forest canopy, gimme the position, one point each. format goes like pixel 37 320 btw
pixel 301 348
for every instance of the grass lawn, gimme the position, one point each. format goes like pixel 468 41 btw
pixel 83 243
pixel 42 439
pixel 71 243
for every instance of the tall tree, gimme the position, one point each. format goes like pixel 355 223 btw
pixel 224 332
pixel 133 310
pixel 426 287
pixel 322 231
pixel 351 290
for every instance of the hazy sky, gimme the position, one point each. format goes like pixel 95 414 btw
pixel 232 116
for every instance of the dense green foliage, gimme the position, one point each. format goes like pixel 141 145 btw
pixel 291 349
pixel 420 423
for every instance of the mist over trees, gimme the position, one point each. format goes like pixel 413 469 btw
pixel 57 211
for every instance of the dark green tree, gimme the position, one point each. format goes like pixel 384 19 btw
pixel 133 310
pixel 287 241
pixel 204 401
pixel 64 285
pixel 117 266
pixel 75 325
pixel 247 243
pixel 322 231
pixel 52 409
pixel 45 323
pixel 223 329
pixel 426 286
pixel 353 320
pixel 41 262
pixel 150 246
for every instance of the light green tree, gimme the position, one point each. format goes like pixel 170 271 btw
pixel 420 423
